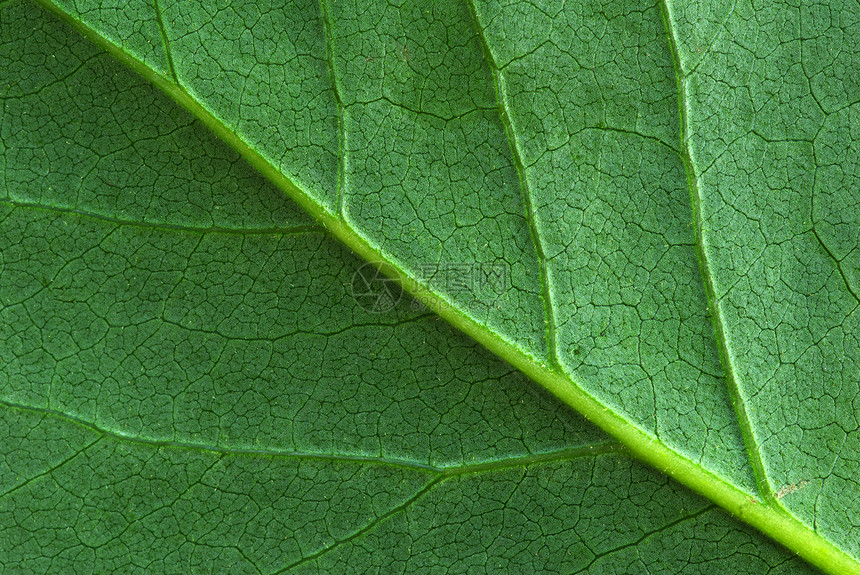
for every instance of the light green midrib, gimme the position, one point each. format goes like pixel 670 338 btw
pixel 738 403
pixel 440 471
pixel 773 521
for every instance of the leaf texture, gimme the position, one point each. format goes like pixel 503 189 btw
pixel 667 190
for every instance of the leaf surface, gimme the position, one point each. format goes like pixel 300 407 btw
pixel 570 149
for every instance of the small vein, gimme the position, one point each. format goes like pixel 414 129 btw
pixel 714 307
pixel 609 447
pixel 295 332
pixel 217 449
pixel 358 533
pixel 549 314
pixel 341 115
pixel 848 285
pixel 824 478
pixel 648 534
pixel 428 113
pixel 303 229
pixel 592 450
pixel 5 100
pixel 714 39
pixel 59 80
pixel 605 128
pixel 50 470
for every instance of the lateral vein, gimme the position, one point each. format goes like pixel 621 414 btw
pixel 741 411
pixel 531 215
pixel 166 41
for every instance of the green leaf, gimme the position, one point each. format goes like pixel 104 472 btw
pixel 667 195
pixel 152 426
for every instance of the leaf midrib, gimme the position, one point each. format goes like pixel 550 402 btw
pixel 772 520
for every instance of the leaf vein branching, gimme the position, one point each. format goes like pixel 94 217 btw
pixel 654 139
pixel 531 215
pixel 358 533
pixel 166 41
pixel 50 470
pixel 738 402
pixel 600 449
pixel 713 41
pixel 646 535
pixel 772 519
pixel 851 289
